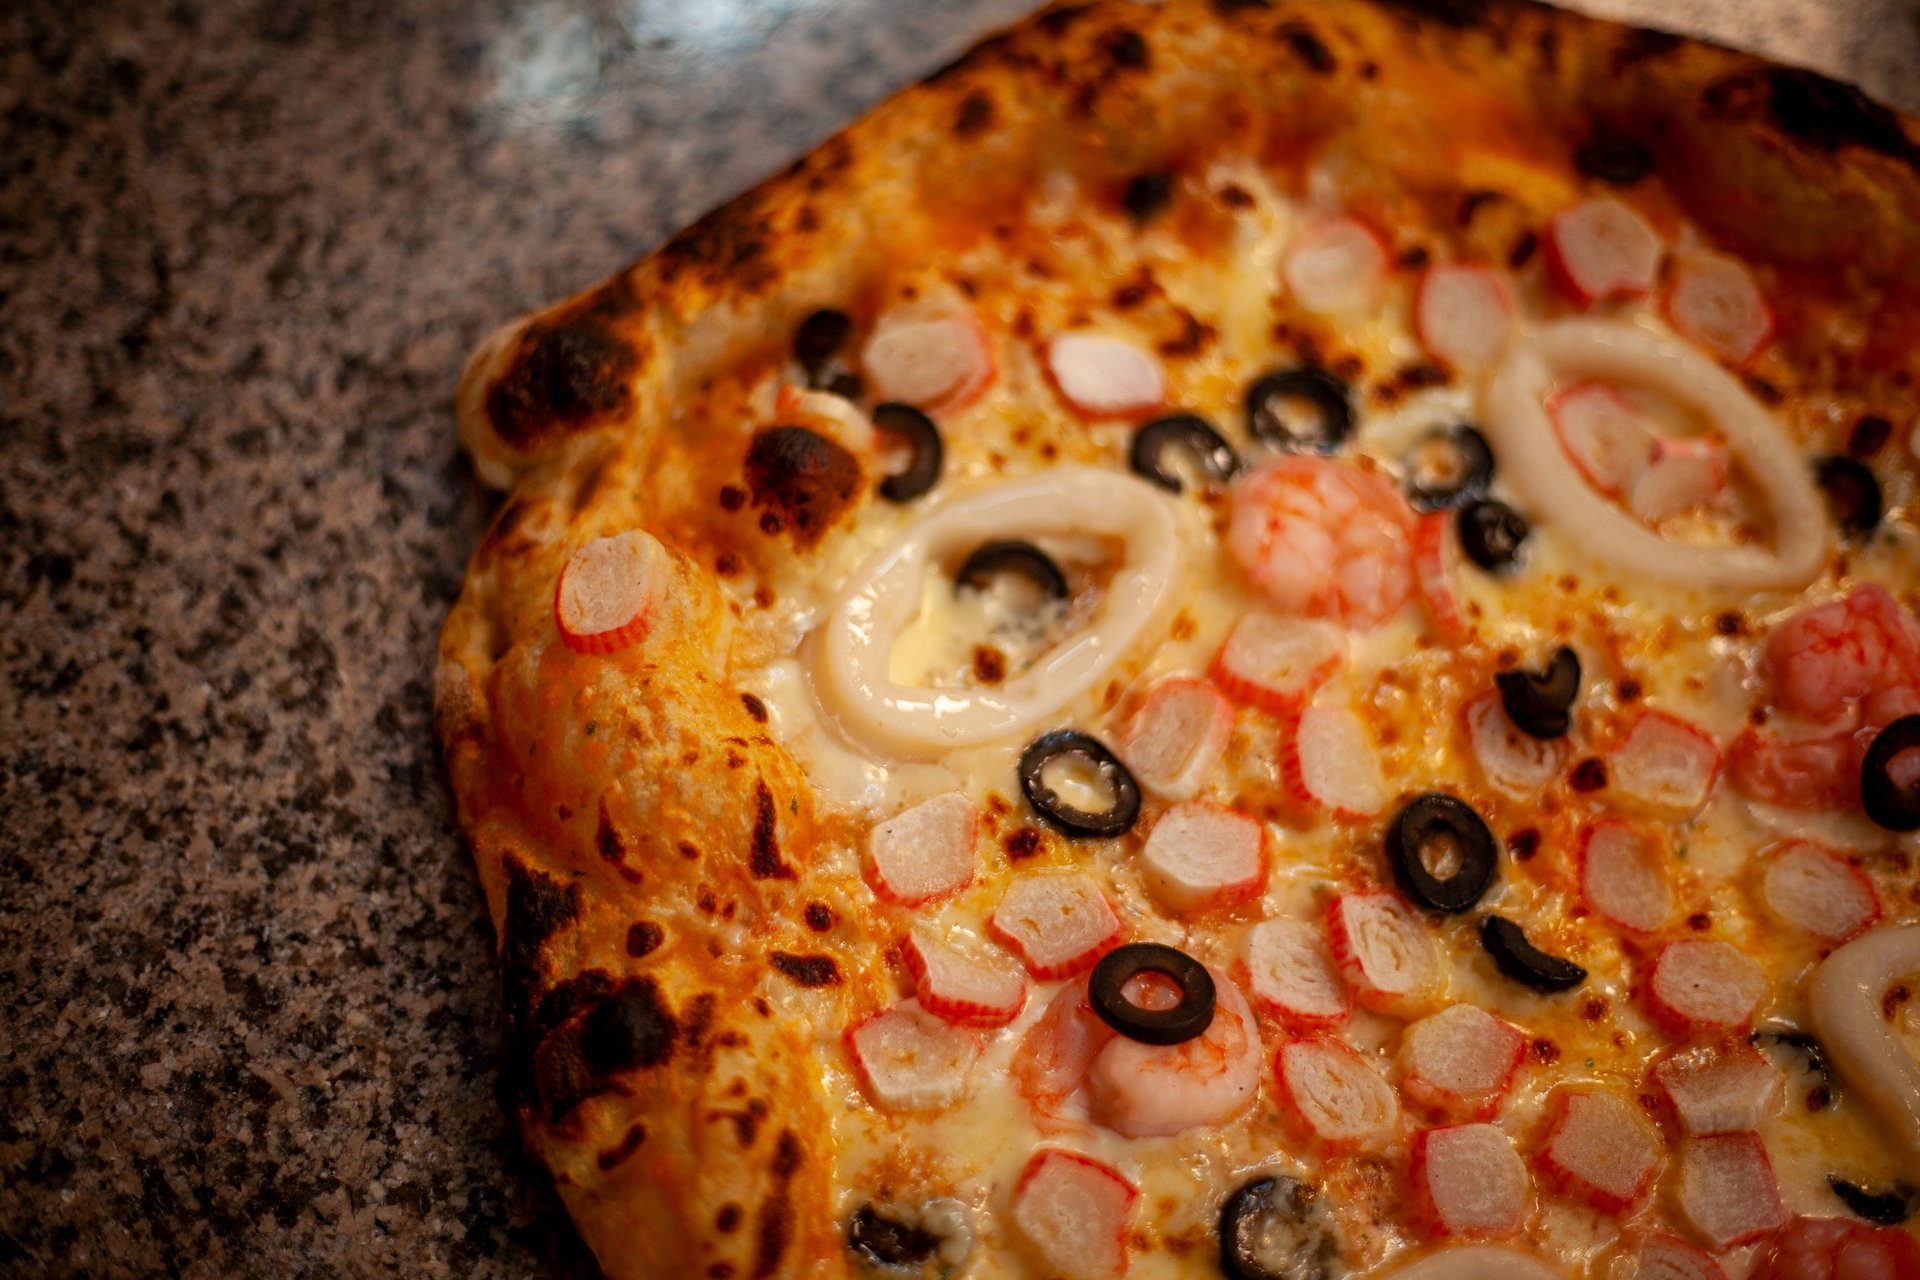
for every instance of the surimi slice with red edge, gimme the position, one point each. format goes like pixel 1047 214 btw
pixel 1336 266
pixel 1385 951
pixel 925 852
pixel 1600 1149
pixel 1432 567
pixel 1102 376
pixel 1603 432
pixel 1623 877
pixel 1723 1088
pixel 1664 1257
pixel 1328 761
pixel 927 355
pixel 1276 663
pixel 1205 855
pixel 1602 249
pixel 1818 892
pixel 1334 1097
pixel 608 591
pixel 1727 1192
pixel 1464 315
pixel 970 990
pixel 1171 743
pixel 1682 474
pixel 1514 761
pixel 1468 1181
pixel 1714 303
pixel 911 1060
pixel 1665 765
pixel 1073 1210
pixel 1699 984
pixel 1460 1062
pixel 1291 973
pixel 1058 922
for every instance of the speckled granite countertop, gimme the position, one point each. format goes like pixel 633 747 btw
pixel 247 1010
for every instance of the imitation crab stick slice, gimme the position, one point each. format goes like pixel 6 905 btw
pixel 932 356
pixel 1715 304
pixel 1328 762
pixel 1468 1181
pixel 1336 266
pixel 1604 434
pixel 1724 1088
pixel 1665 765
pixel 1334 1097
pixel 1516 762
pixel 1665 1257
pixel 1073 1210
pixel 1291 973
pixel 911 1060
pixel 1697 984
pixel 1276 663
pixel 1726 1191
pixel 925 852
pixel 1682 474
pixel 1177 735
pixel 1385 951
pixel 1818 892
pixel 1460 1062
pixel 1464 315
pixel 1602 249
pixel 1432 570
pixel 961 988
pixel 1058 922
pixel 1102 376
pixel 608 591
pixel 1601 1149
pixel 1205 855
pixel 1621 876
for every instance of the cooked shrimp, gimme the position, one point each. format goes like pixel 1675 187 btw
pixel 1146 1091
pixel 1325 539
pixel 1056 1051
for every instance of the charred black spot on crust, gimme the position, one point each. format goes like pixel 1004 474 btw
pixel 1241 6
pixel 755 707
pixel 808 971
pixel 626 1029
pixel 1458 14
pixel 1641 43
pixel 537 908
pixel 1869 435
pixel 617 1154
pixel 976 114
pixel 1147 195
pixel 802 478
pixel 1308 47
pixel 1057 21
pixel 1615 158
pixel 566 372
pixel 606 838
pixel 763 859
pixel 1814 110
pixel 819 917
pixel 727 1221
pixel 1125 46
pixel 644 938
pixel 1588 775
pixel 729 245
pixel 773 1229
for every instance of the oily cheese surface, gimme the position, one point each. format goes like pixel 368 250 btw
pixel 674 836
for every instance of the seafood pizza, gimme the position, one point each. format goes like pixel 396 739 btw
pixel 1236 638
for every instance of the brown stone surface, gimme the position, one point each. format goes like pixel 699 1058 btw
pixel 247 1000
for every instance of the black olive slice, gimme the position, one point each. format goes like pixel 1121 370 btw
pixel 1107 990
pixel 1060 744
pixel 1213 456
pixel 1540 704
pixel 922 471
pixel 882 1242
pixel 1434 830
pixel 1278 1228
pixel 1448 467
pixel 1885 1208
pixel 1011 555
pixel 1853 494
pixel 816 342
pixel 1804 1047
pixel 1492 533
pixel 1329 418
pixel 1889 803
pixel 1525 963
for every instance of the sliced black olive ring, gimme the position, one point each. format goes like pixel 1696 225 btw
pixel 1540 704
pixel 1330 411
pixel 1011 555
pixel 1107 991
pixel 1492 533
pixel 815 347
pixel 1884 1208
pixel 1506 942
pixel 1449 466
pixel 927 457
pixel 1435 829
pixel 1278 1228
pixel 1804 1046
pixel 1890 803
pixel 1061 744
pixel 883 1242
pixel 1211 455
pixel 1853 494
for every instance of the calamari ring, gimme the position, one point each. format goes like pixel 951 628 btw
pixel 1847 995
